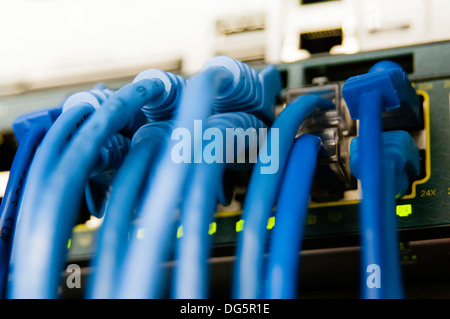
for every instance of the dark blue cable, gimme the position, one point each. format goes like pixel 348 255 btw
pixel 372 188
pixel 384 88
pixel 261 196
pixel 399 160
pixel 292 208
pixel 13 193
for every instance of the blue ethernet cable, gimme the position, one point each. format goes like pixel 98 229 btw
pixel 253 92
pixel 367 97
pixel 400 159
pixel 191 271
pixel 261 196
pixel 98 188
pixel 141 271
pixel 11 200
pixel 76 109
pixel 222 81
pixel 56 212
pixel 161 108
pixel 29 130
pixel 292 208
pixel 47 155
pixel 113 234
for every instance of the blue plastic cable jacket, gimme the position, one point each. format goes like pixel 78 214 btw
pixel 37 268
pixel 110 157
pixel 13 193
pixel 164 107
pixel 400 159
pixel 198 208
pixel 49 152
pixel 142 275
pixel 44 161
pixel 261 197
pixel 292 208
pixel 191 271
pixel 385 87
pixel 113 234
pixel 391 277
pixel 372 207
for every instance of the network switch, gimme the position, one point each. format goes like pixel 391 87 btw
pixel 331 243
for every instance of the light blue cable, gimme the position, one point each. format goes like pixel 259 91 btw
pixel 47 155
pixel 222 81
pixel 142 272
pixel 76 109
pixel 13 194
pixel 112 237
pixel 292 208
pixel 37 269
pixel 200 203
pixel 261 196
pixel 44 161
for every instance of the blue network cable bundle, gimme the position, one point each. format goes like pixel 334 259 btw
pixel 236 183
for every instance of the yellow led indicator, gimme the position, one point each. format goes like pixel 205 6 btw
pixel 404 210
pixel 180 231
pixel 140 233
pixel 212 228
pixel 271 222
pixel 239 225
pixel 69 243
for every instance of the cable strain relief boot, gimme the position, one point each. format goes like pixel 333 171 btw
pixel 44 118
pixel 249 92
pixel 398 147
pixel 271 87
pixel 164 106
pixel 240 123
pixel 155 131
pixel 98 188
pixel 391 83
pixel 94 98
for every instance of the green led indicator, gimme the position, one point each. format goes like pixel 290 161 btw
pixel 239 225
pixel 69 243
pixel 180 231
pixel 404 210
pixel 271 222
pixel 212 228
